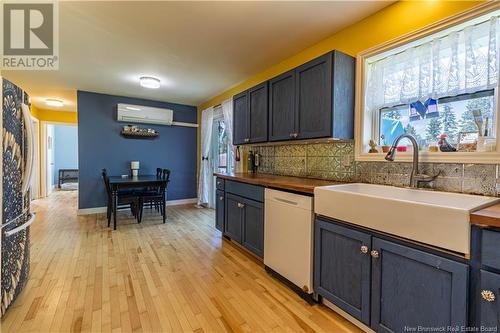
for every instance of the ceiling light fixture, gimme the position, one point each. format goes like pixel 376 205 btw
pixel 149 82
pixel 54 102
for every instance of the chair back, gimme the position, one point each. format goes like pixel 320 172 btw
pixel 159 172
pixel 166 175
pixel 105 178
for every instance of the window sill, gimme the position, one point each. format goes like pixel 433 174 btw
pixel 439 157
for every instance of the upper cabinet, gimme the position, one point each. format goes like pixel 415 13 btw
pixel 314 100
pixel 313 96
pixel 240 119
pixel 282 107
pixel 250 113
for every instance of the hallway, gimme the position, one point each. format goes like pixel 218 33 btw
pixel 153 277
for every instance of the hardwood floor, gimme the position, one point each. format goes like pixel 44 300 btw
pixel 153 277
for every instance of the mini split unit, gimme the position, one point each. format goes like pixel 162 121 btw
pixel 148 115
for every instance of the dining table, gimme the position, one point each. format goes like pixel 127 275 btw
pixel 141 181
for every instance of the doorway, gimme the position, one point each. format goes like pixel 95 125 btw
pixel 60 158
pixel 222 154
pixel 35 179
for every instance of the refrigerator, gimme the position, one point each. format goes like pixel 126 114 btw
pixel 16 154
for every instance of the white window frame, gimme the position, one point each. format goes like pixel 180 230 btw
pixel 367 126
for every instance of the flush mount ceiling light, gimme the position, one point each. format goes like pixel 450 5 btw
pixel 149 82
pixel 54 102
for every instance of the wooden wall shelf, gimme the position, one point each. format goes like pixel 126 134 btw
pixel 139 135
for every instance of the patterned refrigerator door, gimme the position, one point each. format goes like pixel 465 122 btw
pixel 15 206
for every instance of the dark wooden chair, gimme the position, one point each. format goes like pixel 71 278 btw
pixel 156 197
pixel 127 199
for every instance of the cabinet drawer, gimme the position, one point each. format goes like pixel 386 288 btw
pixel 253 192
pixel 490 251
pixel 219 182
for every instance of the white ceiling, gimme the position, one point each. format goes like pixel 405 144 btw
pixel 197 49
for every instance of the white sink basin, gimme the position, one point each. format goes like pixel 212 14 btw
pixel 436 218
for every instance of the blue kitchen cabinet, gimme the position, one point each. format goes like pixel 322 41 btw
pixel 219 210
pixel 488 303
pixel 233 220
pixel 253 226
pixel 412 289
pixel 244 215
pixel 342 268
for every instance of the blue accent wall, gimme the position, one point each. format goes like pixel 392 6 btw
pixel 65 148
pixel 102 146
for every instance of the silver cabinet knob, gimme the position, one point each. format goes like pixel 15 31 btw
pixel 247 140
pixel 488 295
pixel 374 253
pixel 364 249
pixel 240 205
pixel 295 135
pixel 221 198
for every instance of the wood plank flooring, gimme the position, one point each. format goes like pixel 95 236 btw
pixel 153 277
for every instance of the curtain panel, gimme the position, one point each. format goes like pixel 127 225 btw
pixel 464 61
pixel 227 111
pixel 206 179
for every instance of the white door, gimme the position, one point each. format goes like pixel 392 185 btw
pixel 50 159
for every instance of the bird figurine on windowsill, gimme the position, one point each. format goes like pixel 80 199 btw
pixel 444 145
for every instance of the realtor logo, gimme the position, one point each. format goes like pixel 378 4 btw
pixel 30 35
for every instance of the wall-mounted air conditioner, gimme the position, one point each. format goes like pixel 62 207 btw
pixel 144 114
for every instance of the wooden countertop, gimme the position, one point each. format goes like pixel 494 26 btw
pixel 487 217
pixel 297 184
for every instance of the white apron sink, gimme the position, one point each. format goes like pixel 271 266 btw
pixel 440 219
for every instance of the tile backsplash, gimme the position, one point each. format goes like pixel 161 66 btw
pixel 335 161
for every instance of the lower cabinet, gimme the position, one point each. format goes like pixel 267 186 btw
pixel 245 222
pixel 253 226
pixel 412 288
pixel 489 291
pixel 408 288
pixel 234 217
pixel 342 268
pixel 219 210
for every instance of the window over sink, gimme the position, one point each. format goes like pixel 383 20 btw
pixel 439 84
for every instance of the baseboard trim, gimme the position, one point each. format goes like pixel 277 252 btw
pixel 182 202
pixel 88 211
pixel 101 210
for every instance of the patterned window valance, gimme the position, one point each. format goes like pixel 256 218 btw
pixel 463 61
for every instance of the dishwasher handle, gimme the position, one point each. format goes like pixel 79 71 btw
pixel 291 200
pixel 288 202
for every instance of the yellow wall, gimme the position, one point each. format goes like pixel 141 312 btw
pixel 389 23
pixel 54 116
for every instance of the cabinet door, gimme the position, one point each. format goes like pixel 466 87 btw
pixel 219 210
pixel 282 107
pixel 258 106
pixel 342 268
pixel 314 98
pixel 234 214
pixel 240 119
pixel 253 226
pixel 411 288
pixel 489 309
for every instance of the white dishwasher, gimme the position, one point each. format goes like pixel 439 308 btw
pixel 288 237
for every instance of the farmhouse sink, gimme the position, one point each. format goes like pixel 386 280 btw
pixel 436 218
